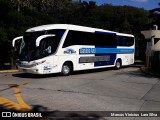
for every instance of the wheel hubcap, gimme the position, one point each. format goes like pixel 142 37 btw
pixel 118 65
pixel 66 69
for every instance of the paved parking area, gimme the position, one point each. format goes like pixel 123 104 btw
pixel 127 89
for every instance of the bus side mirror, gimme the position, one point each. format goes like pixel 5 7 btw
pixel 38 40
pixel 15 39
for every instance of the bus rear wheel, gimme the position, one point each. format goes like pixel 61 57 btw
pixel 66 69
pixel 118 64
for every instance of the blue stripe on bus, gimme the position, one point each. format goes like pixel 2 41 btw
pixel 113 50
pixel 106 50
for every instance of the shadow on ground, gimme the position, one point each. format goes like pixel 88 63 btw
pixel 54 115
pixel 34 76
pixel 138 73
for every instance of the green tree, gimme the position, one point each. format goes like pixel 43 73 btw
pixel 20 4
pixel 155 15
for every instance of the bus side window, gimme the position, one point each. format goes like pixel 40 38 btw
pixel 125 41
pixel 78 38
pixel 121 41
pixel 87 38
pixel 129 41
pixel 105 39
pixel 71 39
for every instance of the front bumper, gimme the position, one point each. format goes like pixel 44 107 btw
pixel 30 70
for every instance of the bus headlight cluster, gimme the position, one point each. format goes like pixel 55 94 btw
pixel 35 64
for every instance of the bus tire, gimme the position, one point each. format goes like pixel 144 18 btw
pixel 118 64
pixel 66 69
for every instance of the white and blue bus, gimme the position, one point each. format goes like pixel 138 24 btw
pixel 65 48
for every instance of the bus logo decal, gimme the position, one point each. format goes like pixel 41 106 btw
pixel 47 68
pixel 69 51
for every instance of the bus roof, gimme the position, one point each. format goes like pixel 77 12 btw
pixel 123 34
pixel 73 27
pixel 48 27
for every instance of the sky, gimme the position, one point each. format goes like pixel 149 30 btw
pixel 146 4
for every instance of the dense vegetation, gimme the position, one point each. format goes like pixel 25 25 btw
pixel 18 15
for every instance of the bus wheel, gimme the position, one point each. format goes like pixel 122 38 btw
pixel 118 64
pixel 66 69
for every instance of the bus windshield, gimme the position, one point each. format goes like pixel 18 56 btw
pixel 29 51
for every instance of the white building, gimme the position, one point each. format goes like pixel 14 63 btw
pixel 152 38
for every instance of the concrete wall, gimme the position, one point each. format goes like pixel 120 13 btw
pixel 152 35
pixel 148 34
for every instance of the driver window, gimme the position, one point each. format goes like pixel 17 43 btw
pixel 47 50
pixel 46 46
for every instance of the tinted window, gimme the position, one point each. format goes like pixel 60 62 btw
pixel 125 41
pixel 58 34
pixel 105 39
pixel 47 46
pixel 79 38
pixel 97 39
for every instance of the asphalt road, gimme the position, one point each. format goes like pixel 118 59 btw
pixel 127 89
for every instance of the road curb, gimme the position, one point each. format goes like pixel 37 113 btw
pixel 8 71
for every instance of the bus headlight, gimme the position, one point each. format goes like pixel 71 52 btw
pixel 38 63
